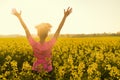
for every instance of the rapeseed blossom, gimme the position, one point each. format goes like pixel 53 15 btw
pixel 73 59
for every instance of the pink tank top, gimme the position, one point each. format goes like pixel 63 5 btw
pixel 43 54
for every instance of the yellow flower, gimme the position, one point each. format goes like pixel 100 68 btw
pixel 70 59
pixel 92 68
pixel 13 63
pixel 26 66
pixel 114 72
pixel 96 78
pixel 80 69
pixel 99 56
pixel 108 67
pixel 8 58
pixel 7 73
pixel 61 70
pixel 90 71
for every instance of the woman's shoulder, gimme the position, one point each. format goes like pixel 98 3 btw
pixel 51 41
pixel 31 40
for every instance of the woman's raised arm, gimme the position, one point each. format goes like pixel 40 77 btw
pixel 18 15
pixel 66 13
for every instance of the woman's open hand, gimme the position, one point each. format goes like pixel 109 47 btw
pixel 15 12
pixel 67 12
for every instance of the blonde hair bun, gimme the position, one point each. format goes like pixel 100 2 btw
pixel 43 27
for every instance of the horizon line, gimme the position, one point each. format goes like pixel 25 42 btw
pixel 64 33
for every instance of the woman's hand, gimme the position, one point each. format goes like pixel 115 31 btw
pixel 67 12
pixel 15 12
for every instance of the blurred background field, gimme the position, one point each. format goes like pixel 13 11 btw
pixel 84 58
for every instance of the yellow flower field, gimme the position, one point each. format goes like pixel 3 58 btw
pixel 88 58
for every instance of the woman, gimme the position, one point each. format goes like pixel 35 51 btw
pixel 42 50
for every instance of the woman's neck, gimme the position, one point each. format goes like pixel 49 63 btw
pixel 42 40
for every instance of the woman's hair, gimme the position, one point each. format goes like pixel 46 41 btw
pixel 43 28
